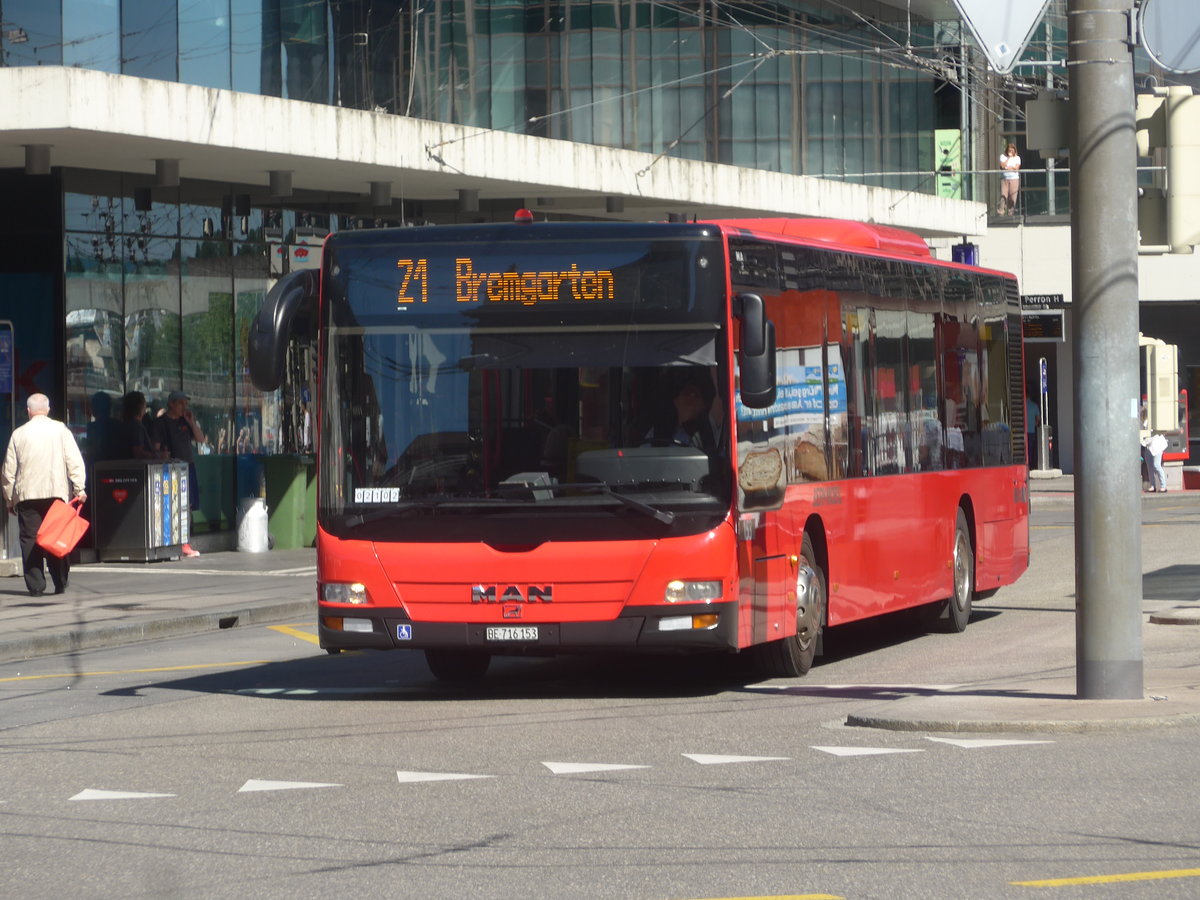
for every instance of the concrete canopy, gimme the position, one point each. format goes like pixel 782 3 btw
pixel 96 120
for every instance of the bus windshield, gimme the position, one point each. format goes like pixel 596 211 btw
pixel 559 386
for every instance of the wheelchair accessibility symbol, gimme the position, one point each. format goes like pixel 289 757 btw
pixel 404 632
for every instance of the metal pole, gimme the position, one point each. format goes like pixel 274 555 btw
pixel 1051 200
pixel 1043 425
pixel 1108 541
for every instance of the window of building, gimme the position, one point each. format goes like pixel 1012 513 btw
pixel 91 36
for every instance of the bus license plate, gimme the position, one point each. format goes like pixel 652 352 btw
pixel 512 633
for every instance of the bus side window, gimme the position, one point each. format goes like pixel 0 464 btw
pixel 959 342
pixel 927 437
pixel 857 326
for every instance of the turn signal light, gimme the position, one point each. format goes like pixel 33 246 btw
pixel 340 623
pixel 688 623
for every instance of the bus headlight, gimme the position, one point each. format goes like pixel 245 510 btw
pixel 692 591
pixel 341 592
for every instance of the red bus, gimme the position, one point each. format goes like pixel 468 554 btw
pixel 712 436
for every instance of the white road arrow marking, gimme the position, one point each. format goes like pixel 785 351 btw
pixel 706 759
pixel 563 768
pixel 862 751
pixel 972 743
pixel 91 794
pixel 255 784
pixel 413 777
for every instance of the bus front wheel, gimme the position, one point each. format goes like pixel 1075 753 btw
pixel 457 665
pixel 793 656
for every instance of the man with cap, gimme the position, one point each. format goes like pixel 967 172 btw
pixel 175 430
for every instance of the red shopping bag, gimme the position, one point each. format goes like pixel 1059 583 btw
pixel 62 527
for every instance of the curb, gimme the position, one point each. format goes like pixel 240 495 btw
pixel 119 634
pixel 1051 498
pixel 1178 615
pixel 1024 726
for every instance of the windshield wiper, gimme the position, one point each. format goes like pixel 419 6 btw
pixel 407 507
pixel 662 515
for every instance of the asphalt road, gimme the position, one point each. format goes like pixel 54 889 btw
pixel 248 763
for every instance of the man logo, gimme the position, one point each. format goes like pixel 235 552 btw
pixel 512 593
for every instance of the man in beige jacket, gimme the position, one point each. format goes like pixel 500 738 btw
pixel 43 463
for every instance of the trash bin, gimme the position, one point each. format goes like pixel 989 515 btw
pixel 290 500
pixel 141 510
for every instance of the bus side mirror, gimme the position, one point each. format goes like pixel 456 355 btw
pixel 268 339
pixel 756 358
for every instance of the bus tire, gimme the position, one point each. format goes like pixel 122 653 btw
pixel 793 656
pixel 457 665
pixel 955 611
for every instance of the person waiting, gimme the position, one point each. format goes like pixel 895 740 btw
pixel 137 443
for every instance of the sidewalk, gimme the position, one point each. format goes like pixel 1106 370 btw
pixel 1171 672
pixel 110 604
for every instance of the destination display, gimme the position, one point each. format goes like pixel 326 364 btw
pixel 526 288
pixel 663 280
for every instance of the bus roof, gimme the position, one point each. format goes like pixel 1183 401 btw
pixel 832 234
pixel 840 232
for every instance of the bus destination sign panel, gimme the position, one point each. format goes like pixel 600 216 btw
pixel 472 285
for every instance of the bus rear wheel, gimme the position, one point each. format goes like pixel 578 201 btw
pixel 953 613
pixel 457 665
pixel 793 656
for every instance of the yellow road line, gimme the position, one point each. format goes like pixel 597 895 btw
pixel 246 662
pixel 294 631
pixel 788 897
pixel 1112 879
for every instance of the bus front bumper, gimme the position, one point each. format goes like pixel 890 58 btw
pixel 684 627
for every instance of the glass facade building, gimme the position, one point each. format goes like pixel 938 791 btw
pixel 156 285
pixel 805 87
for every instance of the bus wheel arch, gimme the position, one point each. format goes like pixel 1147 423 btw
pixel 793 656
pixel 953 613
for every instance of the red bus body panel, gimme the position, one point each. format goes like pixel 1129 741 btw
pixel 886 542
pixel 591 582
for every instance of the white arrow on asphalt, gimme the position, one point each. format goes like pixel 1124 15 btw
pixel 972 743
pixel 563 768
pixel 91 794
pixel 862 751
pixel 255 784
pixel 706 759
pixel 413 777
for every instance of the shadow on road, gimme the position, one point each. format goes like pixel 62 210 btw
pixel 403 675
pixel 1174 584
